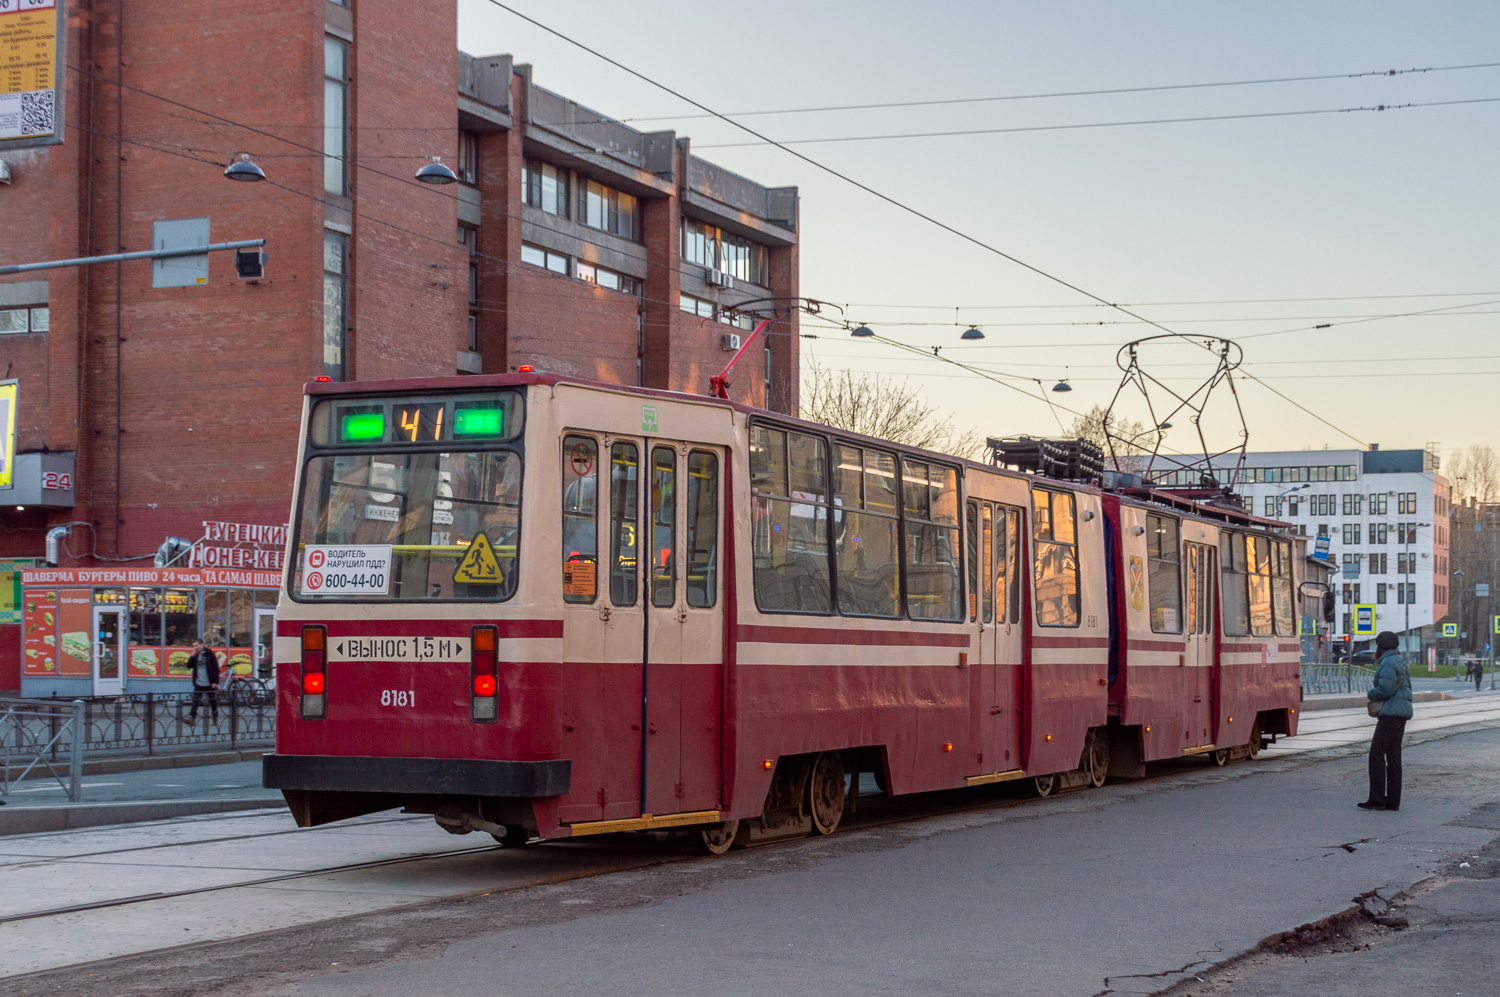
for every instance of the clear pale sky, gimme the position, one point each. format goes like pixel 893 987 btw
pixel 1175 219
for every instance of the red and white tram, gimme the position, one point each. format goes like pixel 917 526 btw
pixel 535 606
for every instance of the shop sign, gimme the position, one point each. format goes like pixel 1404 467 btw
pixel 240 545
pixel 150 576
pixel 7 430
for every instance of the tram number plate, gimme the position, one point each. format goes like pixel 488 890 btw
pixel 398 649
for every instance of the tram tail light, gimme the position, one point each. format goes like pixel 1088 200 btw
pixel 314 672
pixel 484 644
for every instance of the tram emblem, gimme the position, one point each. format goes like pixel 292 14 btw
pixel 1137 582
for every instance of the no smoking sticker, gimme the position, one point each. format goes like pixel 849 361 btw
pixel 581 457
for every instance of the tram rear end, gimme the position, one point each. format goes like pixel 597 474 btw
pixel 407 676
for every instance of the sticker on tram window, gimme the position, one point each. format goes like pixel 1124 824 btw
pixel 346 570
pixel 480 566
pixel 579 578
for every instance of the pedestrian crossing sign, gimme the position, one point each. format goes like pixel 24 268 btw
pixel 1364 621
pixel 1496 622
pixel 1450 629
pixel 480 566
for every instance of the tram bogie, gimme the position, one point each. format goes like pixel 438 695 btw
pixel 556 609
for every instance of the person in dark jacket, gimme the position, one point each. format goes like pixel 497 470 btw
pixel 1392 689
pixel 205 665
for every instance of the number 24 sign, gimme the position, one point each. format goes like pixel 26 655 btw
pixel 57 481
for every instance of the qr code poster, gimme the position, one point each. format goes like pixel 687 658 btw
pixel 28 71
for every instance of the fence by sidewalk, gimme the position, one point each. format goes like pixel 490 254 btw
pixel 1322 679
pixel 54 730
pixel 24 723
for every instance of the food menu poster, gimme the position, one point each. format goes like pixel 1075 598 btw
pixel 30 39
pixel 10 587
pixel 55 632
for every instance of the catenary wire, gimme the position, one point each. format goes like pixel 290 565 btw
pixel 959 132
pixel 1073 93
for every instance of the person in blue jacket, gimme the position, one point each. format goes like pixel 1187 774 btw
pixel 1392 690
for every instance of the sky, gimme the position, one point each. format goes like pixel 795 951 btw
pixel 1207 228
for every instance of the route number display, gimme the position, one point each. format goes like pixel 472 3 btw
pixel 346 570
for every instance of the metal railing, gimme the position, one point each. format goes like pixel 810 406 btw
pixel 155 720
pixel 31 733
pixel 1322 679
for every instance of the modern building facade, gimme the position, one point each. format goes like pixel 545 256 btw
pixel 161 399
pixel 1385 517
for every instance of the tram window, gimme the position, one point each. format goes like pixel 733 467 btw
pixel 929 497
pixel 1007 564
pixel 1194 581
pixel 702 529
pixel 624 492
pixel 1164 573
pixel 1258 562
pixel 1057 599
pixel 1281 589
pixel 789 521
pixel 580 519
pixel 987 558
pixel 972 553
pixel 663 526
pixel 864 529
pixel 1234 583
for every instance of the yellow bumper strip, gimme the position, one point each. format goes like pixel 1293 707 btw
pixel 985 780
pixel 1201 749
pixel 646 822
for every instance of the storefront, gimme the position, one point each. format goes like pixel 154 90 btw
pixel 104 631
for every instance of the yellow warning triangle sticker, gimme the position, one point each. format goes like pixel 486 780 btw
pixel 480 566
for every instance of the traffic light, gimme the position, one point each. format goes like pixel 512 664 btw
pixel 250 264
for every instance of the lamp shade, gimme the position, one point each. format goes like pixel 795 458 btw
pixel 436 173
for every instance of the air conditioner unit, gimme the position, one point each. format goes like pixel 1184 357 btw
pixel 730 341
pixel 717 278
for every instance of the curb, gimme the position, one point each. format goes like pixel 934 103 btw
pixel 31 820
pixel 1314 703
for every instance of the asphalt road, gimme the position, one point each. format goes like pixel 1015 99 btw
pixel 236 780
pixel 1128 889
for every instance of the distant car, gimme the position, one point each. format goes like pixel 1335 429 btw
pixel 1366 658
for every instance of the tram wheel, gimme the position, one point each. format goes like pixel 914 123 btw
pixel 515 836
pixel 1254 741
pixel 1219 756
pixel 1095 760
pixel 714 839
pixel 825 792
pixel 1043 785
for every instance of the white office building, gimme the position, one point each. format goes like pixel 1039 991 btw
pixel 1385 514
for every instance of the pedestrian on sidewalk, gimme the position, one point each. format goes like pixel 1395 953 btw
pixel 205 666
pixel 1392 690
pixel 1478 669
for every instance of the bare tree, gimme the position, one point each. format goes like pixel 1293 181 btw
pixel 1475 474
pixel 1131 439
pixel 883 407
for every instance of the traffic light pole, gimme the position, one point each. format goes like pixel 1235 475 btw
pixel 145 254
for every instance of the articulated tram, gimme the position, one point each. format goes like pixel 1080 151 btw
pixel 538 607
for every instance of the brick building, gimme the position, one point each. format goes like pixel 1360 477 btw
pixel 571 242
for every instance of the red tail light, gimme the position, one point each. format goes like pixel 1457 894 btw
pixel 484 644
pixel 314 672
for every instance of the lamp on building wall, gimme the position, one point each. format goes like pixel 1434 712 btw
pixel 434 172
pixel 244 170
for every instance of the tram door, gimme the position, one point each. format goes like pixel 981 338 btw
pixel 642 634
pixel 684 664
pixel 994 610
pixel 1198 691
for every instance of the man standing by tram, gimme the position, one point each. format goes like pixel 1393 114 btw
pixel 205 667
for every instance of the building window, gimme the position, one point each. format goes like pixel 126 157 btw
pixel 1380 593
pixel 1291 505
pixel 469 238
pixel 14 321
pixel 1377 564
pixel 468 158
pixel 545 187
pixel 335 115
pixel 335 302
pixel 608 209
pixel 1379 504
pixel 726 252
pixel 695 306
pixel 608 278
pixel 1270 506
pixel 545 258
